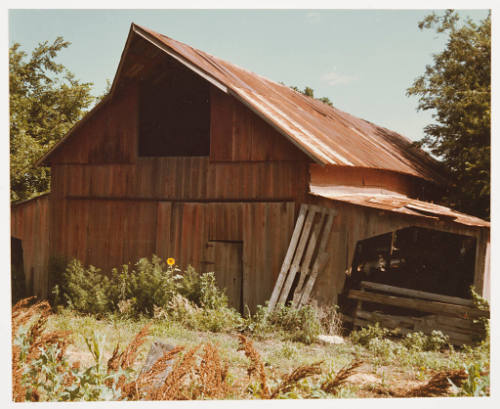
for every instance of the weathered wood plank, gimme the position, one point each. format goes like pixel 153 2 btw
pixel 305 266
pixel 288 258
pixel 304 237
pixel 419 305
pixel 410 324
pixel 321 259
pixel 417 294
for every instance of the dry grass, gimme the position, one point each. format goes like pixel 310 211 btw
pixel 173 388
pixel 38 314
pixel 256 367
pixel 438 385
pixel 212 374
pixel 214 369
pixel 127 357
pixel 290 380
pixel 331 386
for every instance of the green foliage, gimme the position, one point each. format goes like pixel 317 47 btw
pixel 151 288
pixel 210 296
pixel 190 285
pixel 150 283
pixel 309 92
pixel 51 378
pixel 45 102
pixel 457 88
pixel 364 335
pixel 478 381
pixel 480 302
pixel 296 324
pixel 256 324
pixel 418 341
pixel 301 324
pixel 85 290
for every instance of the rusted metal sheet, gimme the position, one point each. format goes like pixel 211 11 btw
pixel 30 223
pixel 327 134
pixel 395 203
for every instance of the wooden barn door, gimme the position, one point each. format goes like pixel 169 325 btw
pixel 225 258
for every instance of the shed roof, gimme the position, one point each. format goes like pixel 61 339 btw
pixel 393 202
pixel 327 134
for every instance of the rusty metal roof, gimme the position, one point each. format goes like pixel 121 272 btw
pixel 327 134
pixel 394 202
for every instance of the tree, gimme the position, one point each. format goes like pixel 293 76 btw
pixel 309 92
pixel 45 101
pixel 457 87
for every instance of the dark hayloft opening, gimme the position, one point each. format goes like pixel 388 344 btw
pixel 174 115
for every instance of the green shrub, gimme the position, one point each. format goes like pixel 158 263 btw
pixel 85 290
pixel 295 324
pixel 477 382
pixel 150 283
pixel 190 285
pixel 418 341
pixel 50 377
pixel 385 348
pixel 256 324
pixel 415 341
pixel 364 335
pixel 436 341
pixel 300 324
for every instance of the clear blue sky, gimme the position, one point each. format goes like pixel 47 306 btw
pixel 363 60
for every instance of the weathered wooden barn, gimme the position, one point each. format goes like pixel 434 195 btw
pixel 192 157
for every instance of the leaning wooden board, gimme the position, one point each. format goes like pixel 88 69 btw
pixel 306 255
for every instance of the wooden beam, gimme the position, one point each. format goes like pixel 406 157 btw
pixel 417 294
pixel 407 325
pixel 419 305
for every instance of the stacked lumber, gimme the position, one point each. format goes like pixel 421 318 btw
pixel 453 316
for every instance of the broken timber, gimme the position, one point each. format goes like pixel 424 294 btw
pixel 306 255
pixel 453 316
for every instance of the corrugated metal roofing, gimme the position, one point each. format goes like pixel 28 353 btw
pixel 395 203
pixel 327 134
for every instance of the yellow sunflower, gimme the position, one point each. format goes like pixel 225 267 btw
pixel 170 261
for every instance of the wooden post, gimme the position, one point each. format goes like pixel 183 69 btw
pixel 480 264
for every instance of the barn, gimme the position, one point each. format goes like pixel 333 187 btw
pixel 283 196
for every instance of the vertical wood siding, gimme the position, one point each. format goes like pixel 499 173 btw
pixel 109 136
pixel 183 178
pixel 238 134
pixel 30 223
pixel 108 233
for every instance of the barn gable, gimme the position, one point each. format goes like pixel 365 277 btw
pixel 325 134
